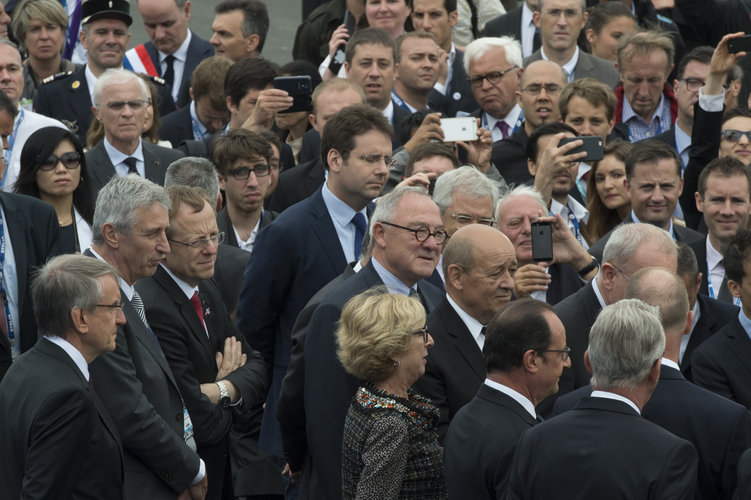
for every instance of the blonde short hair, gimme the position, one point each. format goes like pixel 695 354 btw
pixel 375 325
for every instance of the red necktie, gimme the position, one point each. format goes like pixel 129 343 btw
pixel 195 301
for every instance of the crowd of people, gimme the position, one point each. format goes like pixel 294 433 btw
pixel 206 295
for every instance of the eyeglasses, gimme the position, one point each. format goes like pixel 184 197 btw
pixel 135 104
pixel 628 278
pixel 536 88
pixel 565 353
pixel 202 243
pixel 70 160
pixel 465 219
pixel 117 308
pixel 735 135
pixel 493 77
pixel 424 332
pixel 242 173
pixel 422 233
pixel 692 84
pixel 376 159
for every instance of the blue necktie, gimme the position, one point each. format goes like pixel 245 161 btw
pixel 360 226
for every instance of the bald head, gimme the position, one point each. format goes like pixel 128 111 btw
pixel 550 71
pixel 479 263
pixel 663 289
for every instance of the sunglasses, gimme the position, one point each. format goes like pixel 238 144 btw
pixel 70 160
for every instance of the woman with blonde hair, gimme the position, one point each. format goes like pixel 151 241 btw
pixel 390 446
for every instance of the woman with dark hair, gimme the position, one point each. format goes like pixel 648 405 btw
pixel 606 24
pixel 53 168
pixel 608 198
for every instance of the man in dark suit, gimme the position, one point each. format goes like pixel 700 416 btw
pixel 710 315
pixel 407 233
pixel 478 264
pixel 521 341
pixel 604 443
pixel 720 363
pixel 559 43
pixel 104 34
pixel 519 25
pixel 130 224
pixel 307 247
pixel 58 440
pixel 185 311
pixel 206 111
pixel 632 248
pixel 174 51
pixel 653 171
pixel 719 429
pixel 31 227
pixel 121 99
pixel 296 184
pixel 451 92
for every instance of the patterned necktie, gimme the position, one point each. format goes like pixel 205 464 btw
pixel 503 126
pixel 360 226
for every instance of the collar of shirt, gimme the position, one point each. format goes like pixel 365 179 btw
pixel 181 54
pixel 450 63
pixel 439 268
pixel 394 284
pixel 511 120
pixel 247 245
pixel 117 157
pixel 629 113
pixel 596 288
pixel 527 31
pixel 570 66
pixel 72 352
pixel 713 258
pixel 124 286
pixel 617 397
pixel 685 339
pixel 682 142
pixel 583 169
pixel 90 81
pixel 745 322
pixel 670 229
pixel 194 117
pixel 508 391
pixel 178 65
pixel 670 363
pixel 580 212
pixel 474 326
pixel 388 113
pixel 340 212
pixel 184 287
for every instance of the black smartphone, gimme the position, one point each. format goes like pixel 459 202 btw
pixel 741 44
pixel 300 88
pixel 336 62
pixel 592 145
pixel 542 242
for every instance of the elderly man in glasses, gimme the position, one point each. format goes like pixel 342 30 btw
pixel 185 310
pixel 120 100
pixel 242 159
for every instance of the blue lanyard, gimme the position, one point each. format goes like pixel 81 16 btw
pixel 197 134
pixel 3 293
pixel 399 101
pixel 736 300
pixel 11 140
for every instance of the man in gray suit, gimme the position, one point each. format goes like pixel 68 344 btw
pixel 560 22
pixel 120 101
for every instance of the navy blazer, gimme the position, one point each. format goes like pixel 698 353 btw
pixel 198 50
pixel 296 184
pixel 328 388
pixel 713 315
pixel 177 127
pixel 480 442
pixel 719 429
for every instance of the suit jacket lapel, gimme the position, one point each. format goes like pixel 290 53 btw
pixel 741 345
pixel 497 397
pixel 326 233
pixel 102 169
pixel 151 164
pixel 461 338
pixel 19 244
pixel 584 66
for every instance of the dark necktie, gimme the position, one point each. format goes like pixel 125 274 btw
pixel 503 127
pixel 360 226
pixel 536 40
pixel 131 163
pixel 195 301
pixel 169 73
pixel 723 293
pixel 482 336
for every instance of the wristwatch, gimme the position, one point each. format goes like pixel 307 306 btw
pixel 224 400
pixel 593 264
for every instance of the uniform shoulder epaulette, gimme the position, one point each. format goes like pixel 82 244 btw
pixel 57 76
pixel 156 79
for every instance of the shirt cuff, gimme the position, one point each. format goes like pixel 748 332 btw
pixel 238 402
pixel 711 103
pixel 440 87
pixel 201 473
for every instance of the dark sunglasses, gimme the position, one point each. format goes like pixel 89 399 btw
pixel 70 160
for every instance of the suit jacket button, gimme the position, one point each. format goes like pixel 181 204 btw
pixel 179 417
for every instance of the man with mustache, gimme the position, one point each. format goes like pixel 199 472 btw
pixel 416 70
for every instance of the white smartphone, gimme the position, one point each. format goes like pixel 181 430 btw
pixel 459 129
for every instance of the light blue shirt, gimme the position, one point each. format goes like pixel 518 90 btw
pixel 637 221
pixel 10 283
pixel 341 215
pixel 196 123
pixel 117 158
pixel 682 144
pixel 394 284
pixel 745 322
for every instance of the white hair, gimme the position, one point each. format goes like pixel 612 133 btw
pixel 479 47
pixel 117 76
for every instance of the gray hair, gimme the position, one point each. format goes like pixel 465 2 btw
pixel 385 210
pixel 64 283
pixel 118 200
pixel 626 239
pixel 479 47
pixel 117 76
pixel 624 343
pixel 663 289
pixel 522 190
pixel 466 180
pixel 197 172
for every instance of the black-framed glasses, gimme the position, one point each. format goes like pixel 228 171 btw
pixel 116 308
pixel 70 160
pixel 536 88
pixel 565 353
pixel 493 77
pixel 422 233
pixel 628 278
pixel 135 104
pixel 242 173
pixel 465 219
pixel 202 243
pixel 692 84
pixel 735 135
pixel 424 332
